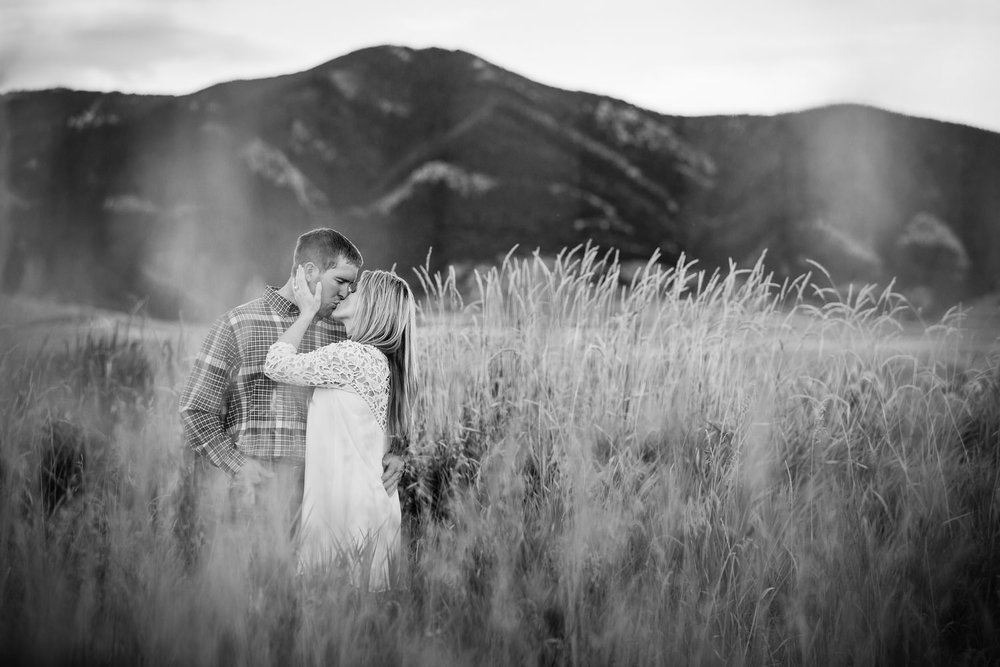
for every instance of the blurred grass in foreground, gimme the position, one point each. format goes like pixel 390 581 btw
pixel 691 469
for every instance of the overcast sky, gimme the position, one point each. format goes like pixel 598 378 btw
pixel 934 58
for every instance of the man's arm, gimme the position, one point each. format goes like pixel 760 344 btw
pixel 203 402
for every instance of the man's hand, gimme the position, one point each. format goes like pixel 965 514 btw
pixel 392 471
pixel 249 476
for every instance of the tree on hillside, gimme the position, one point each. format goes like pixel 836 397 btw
pixel 930 254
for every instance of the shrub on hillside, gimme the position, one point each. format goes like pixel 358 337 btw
pixel 928 253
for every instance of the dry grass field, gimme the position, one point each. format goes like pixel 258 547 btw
pixel 692 469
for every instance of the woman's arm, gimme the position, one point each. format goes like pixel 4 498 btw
pixel 340 364
pixel 308 303
pixel 282 364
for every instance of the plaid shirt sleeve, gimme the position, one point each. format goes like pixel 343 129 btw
pixel 203 403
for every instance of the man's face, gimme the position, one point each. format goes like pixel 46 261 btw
pixel 338 281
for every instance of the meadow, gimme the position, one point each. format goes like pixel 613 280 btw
pixel 691 468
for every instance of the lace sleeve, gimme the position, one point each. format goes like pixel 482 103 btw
pixel 334 365
pixel 347 365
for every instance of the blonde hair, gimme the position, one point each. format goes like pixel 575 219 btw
pixel 386 319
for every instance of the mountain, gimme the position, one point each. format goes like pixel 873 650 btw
pixel 183 205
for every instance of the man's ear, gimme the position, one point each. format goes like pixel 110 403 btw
pixel 312 271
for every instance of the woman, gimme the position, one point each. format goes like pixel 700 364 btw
pixel 360 404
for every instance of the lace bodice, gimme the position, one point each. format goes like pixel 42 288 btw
pixel 360 368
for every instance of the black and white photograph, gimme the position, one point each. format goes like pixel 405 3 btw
pixel 513 333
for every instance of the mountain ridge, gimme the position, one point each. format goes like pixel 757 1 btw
pixel 157 196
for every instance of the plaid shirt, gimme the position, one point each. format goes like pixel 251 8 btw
pixel 230 409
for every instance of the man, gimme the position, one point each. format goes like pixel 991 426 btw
pixel 245 424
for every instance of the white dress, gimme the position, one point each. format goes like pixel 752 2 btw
pixel 345 509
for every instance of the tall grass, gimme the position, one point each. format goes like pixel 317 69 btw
pixel 687 469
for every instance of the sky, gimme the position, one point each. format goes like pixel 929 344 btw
pixel 933 58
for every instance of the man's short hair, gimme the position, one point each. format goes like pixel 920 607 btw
pixel 325 248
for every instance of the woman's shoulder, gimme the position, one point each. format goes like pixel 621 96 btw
pixel 361 349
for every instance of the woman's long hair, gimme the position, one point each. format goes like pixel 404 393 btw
pixel 386 319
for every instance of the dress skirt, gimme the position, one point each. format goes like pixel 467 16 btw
pixel 347 517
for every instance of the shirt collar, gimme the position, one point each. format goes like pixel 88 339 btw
pixel 280 304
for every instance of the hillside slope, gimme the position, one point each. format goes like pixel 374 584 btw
pixel 185 204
